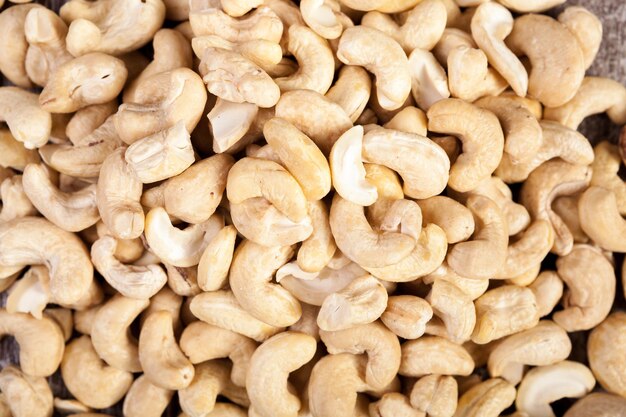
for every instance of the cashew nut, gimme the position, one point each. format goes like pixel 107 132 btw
pixel 27 121
pixel 27 396
pixel 605 349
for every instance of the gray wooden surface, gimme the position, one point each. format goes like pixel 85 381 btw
pixel 611 62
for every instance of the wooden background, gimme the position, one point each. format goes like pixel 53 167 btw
pixel 610 62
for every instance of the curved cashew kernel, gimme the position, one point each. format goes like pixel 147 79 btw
pixel 490 25
pixel 587 29
pixel 348 172
pixel 469 74
pixel 165 300
pixel 15 201
pixel 27 121
pixel 434 355
pixel 216 260
pixel 26 396
pixel 450 39
pixel 605 166
pixel 31 293
pixel 454 309
pixel 201 342
pixel 300 156
pixel 70 211
pixel 530 248
pixel 454 218
pixel 229 122
pixel 595 95
pixel 335 383
pixel 110 332
pixel 384 57
pixel 546 384
pixel 557 66
pixel 482 137
pixel 317 250
pixel 400 151
pixel 94 78
pixel 118 192
pixel 316 64
pixel 63 253
pixel 221 309
pixel 14 154
pixel 522 133
pixel 548 289
pixel 313 288
pixel 485 254
pixel 233 77
pixel 180 248
pixel 161 155
pixel 486 399
pixel 303 108
pixel 163 363
pixel 591 281
pixel 112 27
pixel 605 349
pixel 474 288
pixel 381 346
pixel 549 181
pixel 503 311
pixel 159 102
pixel 360 302
pixel 393 404
pixel 410 120
pixel 544 344
pixel 193 195
pixel 351 90
pixel 277 306
pixel 429 83
pixel 88 379
pixel 356 239
pixel 171 51
pixel 598 404
pixel 45 32
pixel 86 120
pixel 210 380
pixel 269 369
pixel 407 315
pixel 558 141
pixel 145 399
pixel 435 395
pixel 262 23
pixel 30 334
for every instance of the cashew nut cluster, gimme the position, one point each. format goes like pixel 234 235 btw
pixel 314 208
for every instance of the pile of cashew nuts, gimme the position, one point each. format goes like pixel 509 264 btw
pixel 343 208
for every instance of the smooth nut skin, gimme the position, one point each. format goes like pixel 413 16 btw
pixel 270 366
pixel 601 220
pixel 88 379
pixel 605 349
pixel 486 399
pixel 26 396
pixel 407 315
pixel 598 404
pixel 144 399
pixel 454 218
pixel 435 395
pixel 262 23
pixel 27 121
pixel 434 355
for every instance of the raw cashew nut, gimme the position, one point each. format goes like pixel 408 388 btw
pixel 454 310
pixel 482 137
pixel 546 384
pixel 548 289
pixel 88 379
pixel 606 166
pixel 486 399
pixel 351 90
pixel 469 74
pixel 216 260
pixel 14 154
pixel 605 349
pixel 15 201
pixel 31 334
pixel 434 355
pixel 530 248
pixel 27 121
pixel 112 27
pixel 544 344
pixel 435 395
pixel 598 404
pixel 490 25
pixel 587 29
pixel 382 56
pixel 31 293
pixel 70 211
pixel 454 218
pixel 162 361
pixel 601 220
pixel 110 332
pixel 360 302
pixel 380 344
pixel 557 64
pixel 317 251
pixel 144 399
pixel 323 16
pixel 270 366
pixel 591 282
pixel 429 83
pixel 407 315
pixel 262 23
pixel 26 396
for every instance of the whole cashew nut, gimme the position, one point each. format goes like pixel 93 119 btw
pixel 605 352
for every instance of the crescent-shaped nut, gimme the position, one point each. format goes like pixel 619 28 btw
pixel 27 121
pixel 452 217
pixel 605 349
pixel 586 27
pixel 454 311
pixel 216 260
pixel 601 220
pixel 262 23
pixel 351 90
pixel 317 250
pixel 145 399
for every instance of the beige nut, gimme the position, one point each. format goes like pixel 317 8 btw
pixel 351 90
pixel 15 201
pixel 434 355
pixel 393 404
pixel 111 27
pixel 601 220
pixel 455 219
pixel 605 351
pixel 27 121
pixel 270 367
pixel 474 288
pixel 486 399
pixel 14 154
pixel 216 260
pixel 429 83
pixel 26 396
pixel 31 293
pixel 262 23
pixel 88 379
pixel 406 316
pixel 586 27
pixel 598 404
pixel 545 384
pixel 548 289
pixel 530 248
pixel 316 251
pixel 469 74
pixel 557 65
pixel 144 399
pixel 435 395
pixel 482 137
pixel 503 311
pixel 455 316
pixel 605 166
pixel 163 363
pixel 587 301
